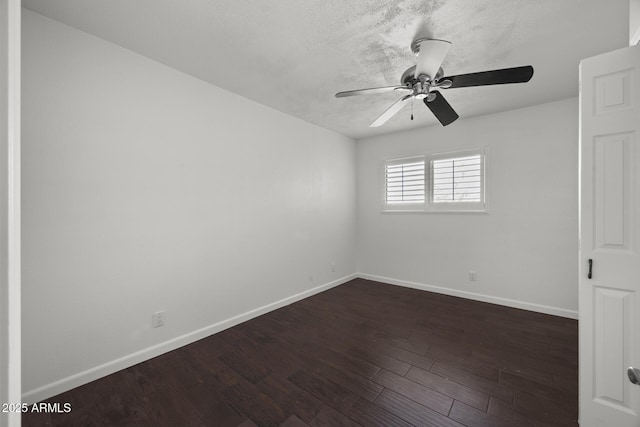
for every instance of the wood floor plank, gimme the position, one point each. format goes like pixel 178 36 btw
pixel 472 417
pixel 542 409
pixel 257 406
pixel 452 389
pixel 403 355
pixel 507 412
pixel 212 370
pixel 177 372
pixel 507 362
pixel 171 409
pixel 383 361
pixel 340 374
pixel 368 414
pixel 567 384
pixel 294 421
pixel 340 360
pixel 412 412
pixel 121 409
pixel 329 417
pixel 247 366
pixel 325 390
pixel 211 405
pixel 414 391
pixel 564 341
pixel 542 390
pixel 493 388
pixel 144 379
pixel 356 384
pixel 419 347
pixel 287 395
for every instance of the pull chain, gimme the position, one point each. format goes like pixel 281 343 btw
pixel 412 99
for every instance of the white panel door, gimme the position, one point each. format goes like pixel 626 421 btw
pixel 609 237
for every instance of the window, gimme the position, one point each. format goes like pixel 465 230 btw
pixel 456 179
pixel 404 184
pixel 453 182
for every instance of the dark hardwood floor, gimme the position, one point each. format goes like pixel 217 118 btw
pixel 363 353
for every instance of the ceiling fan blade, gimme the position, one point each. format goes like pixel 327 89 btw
pixel 371 91
pixel 494 77
pixel 391 111
pixel 441 109
pixel 431 54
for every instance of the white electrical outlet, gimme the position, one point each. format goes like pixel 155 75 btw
pixel 333 267
pixel 472 276
pixel 158 319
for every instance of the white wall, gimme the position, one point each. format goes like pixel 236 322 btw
pixel 9 208
pixel 145 189
pixel 524 251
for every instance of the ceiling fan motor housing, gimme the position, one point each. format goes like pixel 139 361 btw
pixel 409 79
pixel 421 86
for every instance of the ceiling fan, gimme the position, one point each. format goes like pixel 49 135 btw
pixel 425 80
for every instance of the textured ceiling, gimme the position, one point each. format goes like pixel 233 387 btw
pixel 294 55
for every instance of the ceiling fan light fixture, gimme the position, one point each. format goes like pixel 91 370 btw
pixel 431 54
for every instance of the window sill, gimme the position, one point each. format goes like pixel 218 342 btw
pixel 422 211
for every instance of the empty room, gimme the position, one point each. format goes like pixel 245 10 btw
pixel 320 213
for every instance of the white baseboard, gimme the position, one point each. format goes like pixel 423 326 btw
pixel 113 366
pixel 556 311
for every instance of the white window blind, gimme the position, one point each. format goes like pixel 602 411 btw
pixel 404 182
pixel 457 179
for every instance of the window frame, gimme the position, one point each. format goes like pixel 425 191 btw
pixel 403 207
pixel 428 205
pixel 459 206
